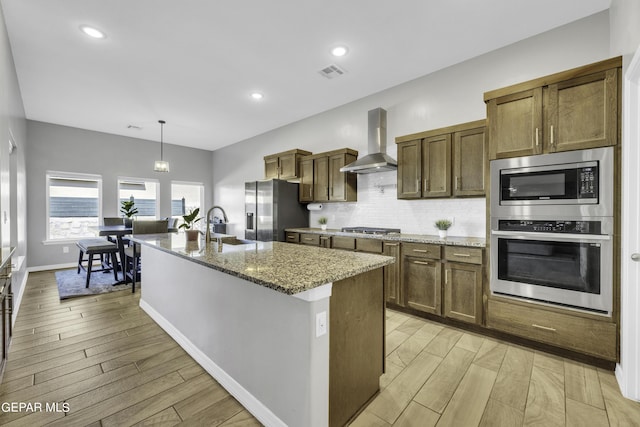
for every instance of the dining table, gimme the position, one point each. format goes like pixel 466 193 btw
pixel 117 231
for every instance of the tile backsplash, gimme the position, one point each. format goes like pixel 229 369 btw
pixel 378 206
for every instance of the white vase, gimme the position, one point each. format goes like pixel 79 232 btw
pixel 442 234
pixel 323 226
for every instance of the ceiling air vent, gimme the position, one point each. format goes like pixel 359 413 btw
pixel 332 71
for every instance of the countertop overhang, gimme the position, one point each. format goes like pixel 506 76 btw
pixel 283 267
pixel 476 242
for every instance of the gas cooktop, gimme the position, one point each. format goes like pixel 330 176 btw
pixel 370 230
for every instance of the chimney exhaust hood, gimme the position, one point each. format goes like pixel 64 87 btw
pixel 377 159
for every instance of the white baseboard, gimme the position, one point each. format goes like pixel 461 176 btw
pixel 246 399
pixel 18 299
pixel 52 267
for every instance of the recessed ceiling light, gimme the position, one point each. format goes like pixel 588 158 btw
pixel 339 51
pixel 92 32
pixel 257 95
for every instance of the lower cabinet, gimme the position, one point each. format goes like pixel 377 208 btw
pixel 6 308
pixel 392 280
pixel 463 292
pixel 586 335
pixel 422 277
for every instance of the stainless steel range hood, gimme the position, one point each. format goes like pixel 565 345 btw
pixel 377 159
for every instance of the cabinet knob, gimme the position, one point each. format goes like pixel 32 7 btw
pixel 635 257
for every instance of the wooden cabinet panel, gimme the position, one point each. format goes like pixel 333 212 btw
pixel 421 250
pixel 342 242
pixel 292 237
pixel 582 112
pixel 586 335
pixel 373 246
pixel 392 282
pixel 463 292
pixel 284 165
pixel 422 279
pixel 271 167
pixel 436 166
pixel 342 186
pixel 310 239
pixel 515 124
pixel 305 188
pixel 469 162
pixel 321 179
pixel 463 254
pixel 409 170
pixel 325 242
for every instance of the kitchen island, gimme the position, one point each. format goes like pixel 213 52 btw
pixel 296 334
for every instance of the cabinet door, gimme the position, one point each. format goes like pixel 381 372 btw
pixel 271 167
pixel 515 124
pixel 288 166
pixel 305 189
pixel 321 179
pixel 409 170
pixel 436 166
pixel 392 274
pixel 337 179
pixel 469 162
pixel 463 292
pixel 422 279
pixel 583 112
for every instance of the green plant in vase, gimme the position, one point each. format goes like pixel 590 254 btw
pixel 189 221
pixel 128 209
pixel 443 225
pixel 323 222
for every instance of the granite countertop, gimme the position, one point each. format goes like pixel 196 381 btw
pixel 476 242
pixel 284 267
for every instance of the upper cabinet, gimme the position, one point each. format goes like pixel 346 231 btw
pixel 285 165
pixel 442 162
pixel 322 181
pixel 571 110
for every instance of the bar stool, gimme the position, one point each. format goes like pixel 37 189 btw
pixel 101 247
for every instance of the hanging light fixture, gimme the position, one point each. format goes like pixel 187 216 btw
pixel 161 165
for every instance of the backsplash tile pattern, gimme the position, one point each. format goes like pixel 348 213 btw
pixel 377 206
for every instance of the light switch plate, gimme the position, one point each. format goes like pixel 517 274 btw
pixel 321 323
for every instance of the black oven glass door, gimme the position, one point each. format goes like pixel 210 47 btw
pixel 572 266
pixel 571 184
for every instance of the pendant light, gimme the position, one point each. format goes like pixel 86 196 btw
pixel 161 165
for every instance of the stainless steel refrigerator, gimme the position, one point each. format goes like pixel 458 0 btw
pixel 270 207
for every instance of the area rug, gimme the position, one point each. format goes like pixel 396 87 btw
pixel 72 284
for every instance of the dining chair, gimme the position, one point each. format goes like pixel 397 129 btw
pixel 132 253
pixel 118 220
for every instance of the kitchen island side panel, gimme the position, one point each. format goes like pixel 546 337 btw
pixel 259 344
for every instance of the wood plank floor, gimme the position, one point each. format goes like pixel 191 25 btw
pixel 113 366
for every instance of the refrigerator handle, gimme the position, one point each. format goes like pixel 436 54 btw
pixel 249 221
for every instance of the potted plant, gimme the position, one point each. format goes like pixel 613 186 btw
pixel 128 209
pixel 189 220
pixel 323 222
pixel 443 225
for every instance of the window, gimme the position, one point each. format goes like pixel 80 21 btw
pixel 143 192
pixel 186 196
pixel 73 205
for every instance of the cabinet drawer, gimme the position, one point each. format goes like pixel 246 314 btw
pixel 590 336
pixel 369 245
pixel 341 242
pixel 293 237
pixel 310 239
pixel 421 250
pixel 463 254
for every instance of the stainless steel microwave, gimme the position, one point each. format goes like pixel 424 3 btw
pixel 568 184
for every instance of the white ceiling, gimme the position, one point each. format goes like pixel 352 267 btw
pixel 194 63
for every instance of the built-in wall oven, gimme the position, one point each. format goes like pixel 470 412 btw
pixel 552 229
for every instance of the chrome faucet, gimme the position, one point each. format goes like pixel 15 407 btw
pixel 208 230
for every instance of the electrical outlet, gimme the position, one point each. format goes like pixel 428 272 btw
pixel 65 249
pixel 321 323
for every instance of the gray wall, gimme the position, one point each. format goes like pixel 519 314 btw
pixel 450 96
pixel 12 166
pixel 66 149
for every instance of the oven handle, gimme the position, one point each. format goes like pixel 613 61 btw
pixel 551 236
